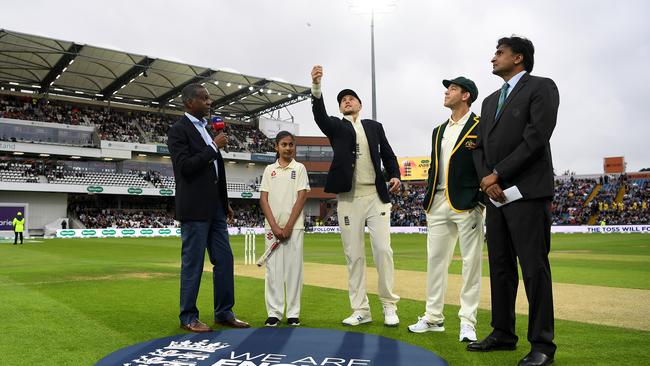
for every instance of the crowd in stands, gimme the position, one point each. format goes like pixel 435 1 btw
pixel 155 126
pixel 407 207
pixel 248 138
pixel 569 201
pixel 247 213
pixel 93 218
pixel 15 171
pixel 112 211
pixel 116 124
pixel 568 207
pixel 32 109
pixel 630 209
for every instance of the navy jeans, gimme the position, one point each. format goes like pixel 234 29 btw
pixel 197 236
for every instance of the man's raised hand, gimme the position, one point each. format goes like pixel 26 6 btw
pixel 316 74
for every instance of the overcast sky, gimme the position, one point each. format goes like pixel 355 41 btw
pixel 597 52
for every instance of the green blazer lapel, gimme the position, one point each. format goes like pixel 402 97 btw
pixel 441 132
pixel 470 125
pixel 432 182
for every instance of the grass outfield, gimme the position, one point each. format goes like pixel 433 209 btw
pixel 73 301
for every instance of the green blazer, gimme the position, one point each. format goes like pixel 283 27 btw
pixel 462 181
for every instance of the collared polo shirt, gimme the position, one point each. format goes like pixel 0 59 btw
pixel 449 139
pixel 283 185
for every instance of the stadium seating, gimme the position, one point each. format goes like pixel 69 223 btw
pixel 97 178
pixel 623 203
pixel 94 218
pixel 407 207
pixel 18 172
pixel 569 201
pixel 117 124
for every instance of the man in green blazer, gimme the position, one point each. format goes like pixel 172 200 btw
pixel 453 212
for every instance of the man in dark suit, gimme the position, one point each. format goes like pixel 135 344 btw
pixel 202 207
pixel 514 151
pixel 360 147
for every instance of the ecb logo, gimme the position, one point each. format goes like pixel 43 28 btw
pixel 273 347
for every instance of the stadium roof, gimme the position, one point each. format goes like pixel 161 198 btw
pixel 41 65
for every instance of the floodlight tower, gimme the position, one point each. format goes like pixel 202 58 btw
pixel 372 7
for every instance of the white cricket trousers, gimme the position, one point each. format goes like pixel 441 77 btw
pixel 284 273
pixel 445 226
pixel 354 213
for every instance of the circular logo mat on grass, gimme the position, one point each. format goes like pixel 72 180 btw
pixel 273 347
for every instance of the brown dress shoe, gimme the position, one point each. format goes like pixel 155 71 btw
pixel 197 327
pixel 233 323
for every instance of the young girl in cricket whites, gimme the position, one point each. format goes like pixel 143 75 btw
pixel 283 194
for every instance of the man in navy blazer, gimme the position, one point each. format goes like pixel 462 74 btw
pixel 513 150
pixel 202 207
pixel 360 147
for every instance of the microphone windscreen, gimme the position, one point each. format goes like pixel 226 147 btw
pixel 218 124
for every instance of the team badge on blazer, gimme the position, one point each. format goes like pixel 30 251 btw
pixel 470 144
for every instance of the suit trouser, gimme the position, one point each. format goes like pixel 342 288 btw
pixel 521 230
pixel 445 226
pixel 284 272
pixel 354 213
pixel 197 236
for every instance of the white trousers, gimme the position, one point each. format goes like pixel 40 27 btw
pixel 445 227
pixel 354 213
pixel 284 276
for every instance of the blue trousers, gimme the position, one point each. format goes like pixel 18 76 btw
pixel 197 236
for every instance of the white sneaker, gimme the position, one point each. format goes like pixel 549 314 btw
pixel 424 326
pixel 467 333
pixel 358 317
pixel 390 316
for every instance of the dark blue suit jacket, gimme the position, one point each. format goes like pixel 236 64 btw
pixel 197 186
pixel 343 139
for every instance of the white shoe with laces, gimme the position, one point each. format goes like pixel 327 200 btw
pixel 423 326
pixel 358 317
pixel 390 316
pixel 467 333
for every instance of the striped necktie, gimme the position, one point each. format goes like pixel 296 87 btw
pixel 502 98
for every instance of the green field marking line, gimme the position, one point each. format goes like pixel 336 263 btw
pixel 619 307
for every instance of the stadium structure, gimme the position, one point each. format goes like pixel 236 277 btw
pixel 83 133
pixel 83 146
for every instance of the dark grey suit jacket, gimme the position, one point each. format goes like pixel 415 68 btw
pixel 516 143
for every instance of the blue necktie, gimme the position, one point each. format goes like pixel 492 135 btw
pixel 502 98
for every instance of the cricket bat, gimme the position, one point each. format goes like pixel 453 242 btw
pixel 268 253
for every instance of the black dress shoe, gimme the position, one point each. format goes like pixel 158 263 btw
pixel 534 358
pixel 490 343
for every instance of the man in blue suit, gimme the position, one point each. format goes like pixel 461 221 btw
pixel 202 207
